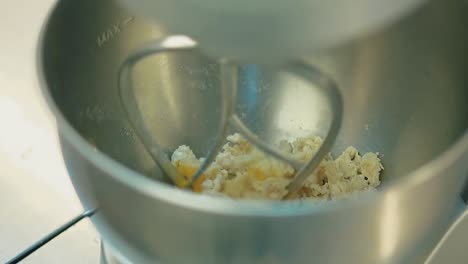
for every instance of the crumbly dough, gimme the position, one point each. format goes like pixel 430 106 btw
pixel 241 171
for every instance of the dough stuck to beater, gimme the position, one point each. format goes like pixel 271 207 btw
pixel 241 171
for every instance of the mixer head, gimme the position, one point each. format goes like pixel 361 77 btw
pixel 267 32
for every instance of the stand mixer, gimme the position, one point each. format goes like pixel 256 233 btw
pixel 395 66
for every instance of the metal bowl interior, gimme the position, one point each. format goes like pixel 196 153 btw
pixel 405 96
pixel 404 88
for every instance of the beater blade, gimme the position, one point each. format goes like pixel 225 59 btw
pixel 229 118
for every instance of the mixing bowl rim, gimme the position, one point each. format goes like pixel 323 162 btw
pixel 193 201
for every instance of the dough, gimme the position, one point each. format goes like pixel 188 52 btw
pixel 241 171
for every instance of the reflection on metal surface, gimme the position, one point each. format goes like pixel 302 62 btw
pixel 109 256
pixel 389 226
pixel 292 110
pixel 177 42
pixel 452 247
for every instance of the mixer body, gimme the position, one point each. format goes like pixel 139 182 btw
pixel 271 31
pixel 405 94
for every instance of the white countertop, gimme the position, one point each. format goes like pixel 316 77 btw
pixel 36 195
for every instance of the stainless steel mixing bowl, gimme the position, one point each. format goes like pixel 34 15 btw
pixel 405 95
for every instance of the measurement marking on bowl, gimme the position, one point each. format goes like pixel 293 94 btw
pixel 113 31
